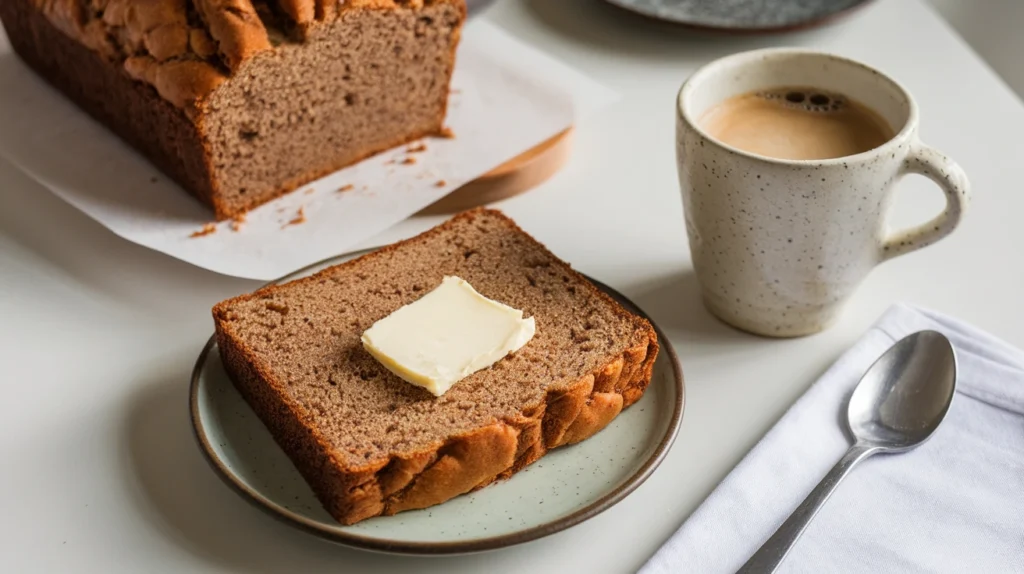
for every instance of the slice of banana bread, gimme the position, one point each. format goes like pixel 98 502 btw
pixel 241 101
pixel 368 442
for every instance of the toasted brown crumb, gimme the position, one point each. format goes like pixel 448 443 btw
pixel 300 217
pixel 416 148
pixel 446 133
pixel 206 230
pixel 409 161
pixel 309 191
pixel 389 162
pixel 441 183
pixel 237 221
pixel 346 187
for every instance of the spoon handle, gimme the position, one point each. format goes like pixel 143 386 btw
pixel 774 550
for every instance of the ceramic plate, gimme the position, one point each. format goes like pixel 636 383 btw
pixel 742 15
pixel 566 487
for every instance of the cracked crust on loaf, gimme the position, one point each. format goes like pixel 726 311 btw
pixel 560 412
pixel 152 39
pixel 242 101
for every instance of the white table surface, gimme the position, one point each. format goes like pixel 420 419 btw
pixel 99 469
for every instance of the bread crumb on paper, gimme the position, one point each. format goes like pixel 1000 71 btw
pixel 206 230
pixel 300 217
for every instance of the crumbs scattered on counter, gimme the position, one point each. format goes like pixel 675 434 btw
pixel 389 162
pixel 309 191
pixel 300 217
pixel 154 179
pixel 206 230
pixel 409 161
pixel 446 133
pixel 346 187
pixel 441 183
pixel 416 148
pixel 237 221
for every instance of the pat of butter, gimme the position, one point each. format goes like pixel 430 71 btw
pixel 447 335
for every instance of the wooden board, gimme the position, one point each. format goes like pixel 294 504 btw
pixel 518 175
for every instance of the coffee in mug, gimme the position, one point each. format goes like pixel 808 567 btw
pixel 796 123
pixel 788 162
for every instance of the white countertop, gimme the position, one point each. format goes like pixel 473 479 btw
pixel 100 472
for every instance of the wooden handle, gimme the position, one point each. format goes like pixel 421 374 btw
pixel 517 175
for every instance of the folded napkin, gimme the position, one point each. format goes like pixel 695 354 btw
pixel 955 504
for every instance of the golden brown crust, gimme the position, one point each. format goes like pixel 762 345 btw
pixel 152 33
pixel 105 55
pixel 597 412
pixel 236 27
pixel 562 408
pixel 401 471
pixel 157 27
pixel 464 463
pixel 302 12
pixel 131 109
pixel 180 82
pixel 433 475
pixel 152 39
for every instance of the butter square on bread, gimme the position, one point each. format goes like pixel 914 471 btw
pixel 448 334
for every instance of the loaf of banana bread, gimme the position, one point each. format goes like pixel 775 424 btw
pixel 241 101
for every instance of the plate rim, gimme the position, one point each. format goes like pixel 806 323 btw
pixel 440 548
pixel 813 22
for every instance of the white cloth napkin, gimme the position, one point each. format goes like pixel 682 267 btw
pixel 955 504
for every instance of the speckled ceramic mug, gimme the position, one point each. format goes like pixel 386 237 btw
pixel 779 245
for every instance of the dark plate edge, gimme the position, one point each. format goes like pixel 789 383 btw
pixel 814 22
pixel 444 548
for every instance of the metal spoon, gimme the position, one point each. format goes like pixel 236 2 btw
pixel 897 405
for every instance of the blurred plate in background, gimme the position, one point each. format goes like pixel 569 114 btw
pixel 742 15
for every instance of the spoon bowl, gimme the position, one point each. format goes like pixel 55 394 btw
pixel 897 405
pixel 906 393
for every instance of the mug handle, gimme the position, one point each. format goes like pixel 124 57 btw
pixel 945 172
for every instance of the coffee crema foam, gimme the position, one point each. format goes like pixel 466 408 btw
pixel 796 123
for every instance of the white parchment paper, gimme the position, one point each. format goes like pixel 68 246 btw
pixel 506 98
